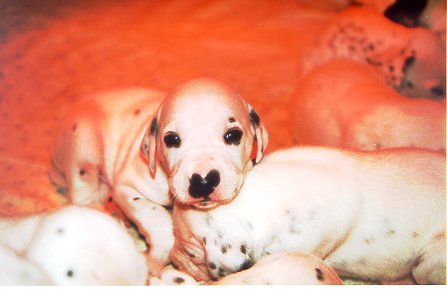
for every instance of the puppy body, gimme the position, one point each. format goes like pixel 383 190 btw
pixel 71 246
pixel 97 159
pixel 377 216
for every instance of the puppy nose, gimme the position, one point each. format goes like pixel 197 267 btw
pixel 203 187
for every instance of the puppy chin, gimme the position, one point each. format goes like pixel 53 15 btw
pixel 203 204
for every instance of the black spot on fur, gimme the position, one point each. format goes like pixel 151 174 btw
pixel 110 199
pixel 62 191
pixel 319 274
pixel 221 272
pixel 373 61
pixel 208 219
pixel 247 264
pixel 369 240
pixel 212 265
pixel 82 172
pixel 391 232
pixel 225 248
pixel 254 118
pixel 179 280
pixel 408 62
pixel 136 199
pixel 154 127
pixel 243 249
pixel 293 230
pixel 438 90
pixel 70 273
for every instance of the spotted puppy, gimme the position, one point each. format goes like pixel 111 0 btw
pixel 372 215
pixel 71 246
pixel 410 60
pixel 198 145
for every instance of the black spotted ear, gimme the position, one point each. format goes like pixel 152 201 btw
pixel 149 145
pixel 260 136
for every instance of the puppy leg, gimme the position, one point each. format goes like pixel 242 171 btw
pixel 85 159
pixel 154 223
pixel 285 269
pixel 432 266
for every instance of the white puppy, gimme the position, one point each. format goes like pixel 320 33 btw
pixel 72 246
pixel 204 138
pixel 372 215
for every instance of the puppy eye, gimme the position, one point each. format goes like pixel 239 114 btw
pixel 233 136
pixel 172 140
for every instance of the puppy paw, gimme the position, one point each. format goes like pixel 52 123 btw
pixel 226 256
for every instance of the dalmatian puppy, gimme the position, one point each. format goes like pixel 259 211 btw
pixel 196 146
pixel 370 83
pixel 71 246
pixel 343 103
pixel 411 60
pixel 373 215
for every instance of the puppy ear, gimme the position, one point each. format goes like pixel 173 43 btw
pixel 260 136
pixel 149 146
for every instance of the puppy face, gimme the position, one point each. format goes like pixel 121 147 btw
pixel 206 138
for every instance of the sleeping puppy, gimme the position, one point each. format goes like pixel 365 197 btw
pixel 71 246
pixel 343 103
pixel 372 215
pixel 409 60
pixel 198 145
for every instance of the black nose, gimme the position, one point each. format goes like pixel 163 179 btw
pixel 202 188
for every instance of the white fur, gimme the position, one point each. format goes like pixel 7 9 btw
pixel 285 269
pixel 72 246
pixel 372 215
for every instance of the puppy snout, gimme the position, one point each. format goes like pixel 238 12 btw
pixel 203 187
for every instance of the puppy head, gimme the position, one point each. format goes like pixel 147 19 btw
pixel 205 138
pixel 424 69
